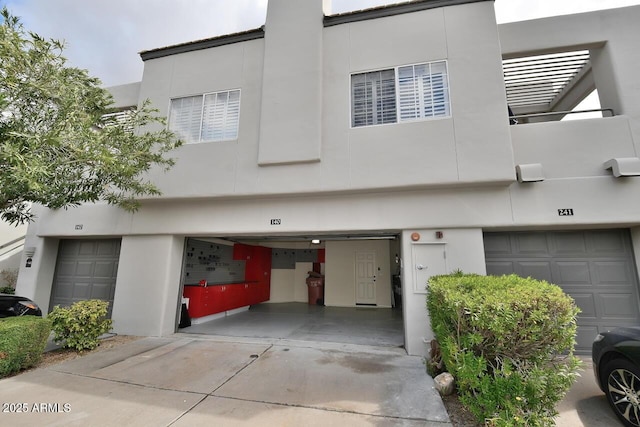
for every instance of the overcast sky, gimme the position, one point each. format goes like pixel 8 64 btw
pixel 105 36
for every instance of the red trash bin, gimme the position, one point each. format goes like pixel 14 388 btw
pixel 316 290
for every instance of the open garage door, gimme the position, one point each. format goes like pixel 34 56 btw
pixel 85 269
pixel 224 278
pixel 595 267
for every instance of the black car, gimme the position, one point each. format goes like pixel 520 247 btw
pixel 13 305
pixel 616 365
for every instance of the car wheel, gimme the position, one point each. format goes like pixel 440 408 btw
pixel 622 387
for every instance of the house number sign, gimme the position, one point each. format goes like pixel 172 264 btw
pixel 276 221
pixel 565 212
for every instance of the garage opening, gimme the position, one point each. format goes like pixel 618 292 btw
pixel 85 269
pixel 343 289
pixel 595 267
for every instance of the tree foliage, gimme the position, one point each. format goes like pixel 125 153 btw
pixel 59 146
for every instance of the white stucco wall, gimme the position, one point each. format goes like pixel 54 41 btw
pixel 146 299
pixel 464 251
pixel 11 255
pixel 310 147
pixel 610 35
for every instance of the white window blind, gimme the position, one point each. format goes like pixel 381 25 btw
pixel 373 98
pixel 209 117
pixel 422 93
pixel 122 118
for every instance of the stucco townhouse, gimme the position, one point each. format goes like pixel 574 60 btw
pixel 376 147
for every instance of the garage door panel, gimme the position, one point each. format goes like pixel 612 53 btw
pixel 618 306
pixel 587 304
pixel 108 248
pixel 595 267
pixel 572 242
pixel 573 272
pixel 498 243
pixel 101 291
pixel 585 335
pixel 87 247
pixel 85 269
pixel 612 273
pixel 64 289
pixel 540 270
pixel 68 248
pixel 608 243
pixel 500 268
pixel 81 290
pixel 66 268
pixel 104 270
pixel 528 244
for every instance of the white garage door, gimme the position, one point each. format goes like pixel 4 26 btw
pixel 85 269
pixel 595 267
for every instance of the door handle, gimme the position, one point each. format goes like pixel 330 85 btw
pixel 421 267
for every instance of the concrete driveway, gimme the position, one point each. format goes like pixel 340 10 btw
pixel 191 381
pixel 585 405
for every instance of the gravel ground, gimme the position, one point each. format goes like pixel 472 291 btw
pixel 459 416
pixel 64 354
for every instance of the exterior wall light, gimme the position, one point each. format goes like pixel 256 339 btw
pixel 531 172
pixel 623 166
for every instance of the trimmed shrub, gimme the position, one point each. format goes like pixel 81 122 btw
pixel 80 325
pixel 509 343
pixel 22 342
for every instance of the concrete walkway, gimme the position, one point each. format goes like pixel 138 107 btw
pixel 191 381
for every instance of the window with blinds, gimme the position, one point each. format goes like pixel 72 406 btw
pixel 121 117
pixel 374 98
pixel 209 117
pixel 406 93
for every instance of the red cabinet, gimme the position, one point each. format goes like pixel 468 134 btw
pixel 204 301
pixel 216 299
pixel 242 252
pixel 234 296
pixel 207 300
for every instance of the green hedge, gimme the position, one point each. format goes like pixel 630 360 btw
pixel 22 342
pixel 80 325
pixel 509 343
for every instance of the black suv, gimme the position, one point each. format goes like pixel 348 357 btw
pixel 13 305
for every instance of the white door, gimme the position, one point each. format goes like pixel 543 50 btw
pixel 428 260
pixel 366 271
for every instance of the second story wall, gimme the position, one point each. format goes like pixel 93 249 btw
pixel 314 145
pixel 611 36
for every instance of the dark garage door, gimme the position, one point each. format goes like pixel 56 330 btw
pixel 595 267
pixel 85 269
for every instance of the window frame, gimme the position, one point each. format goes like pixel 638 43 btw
pixel 224 131
pixel 399 119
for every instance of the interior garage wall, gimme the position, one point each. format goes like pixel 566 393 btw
pixel 464 250
pixel 340 274
pixel 282 285
pixel 289 285
pixel 146 295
